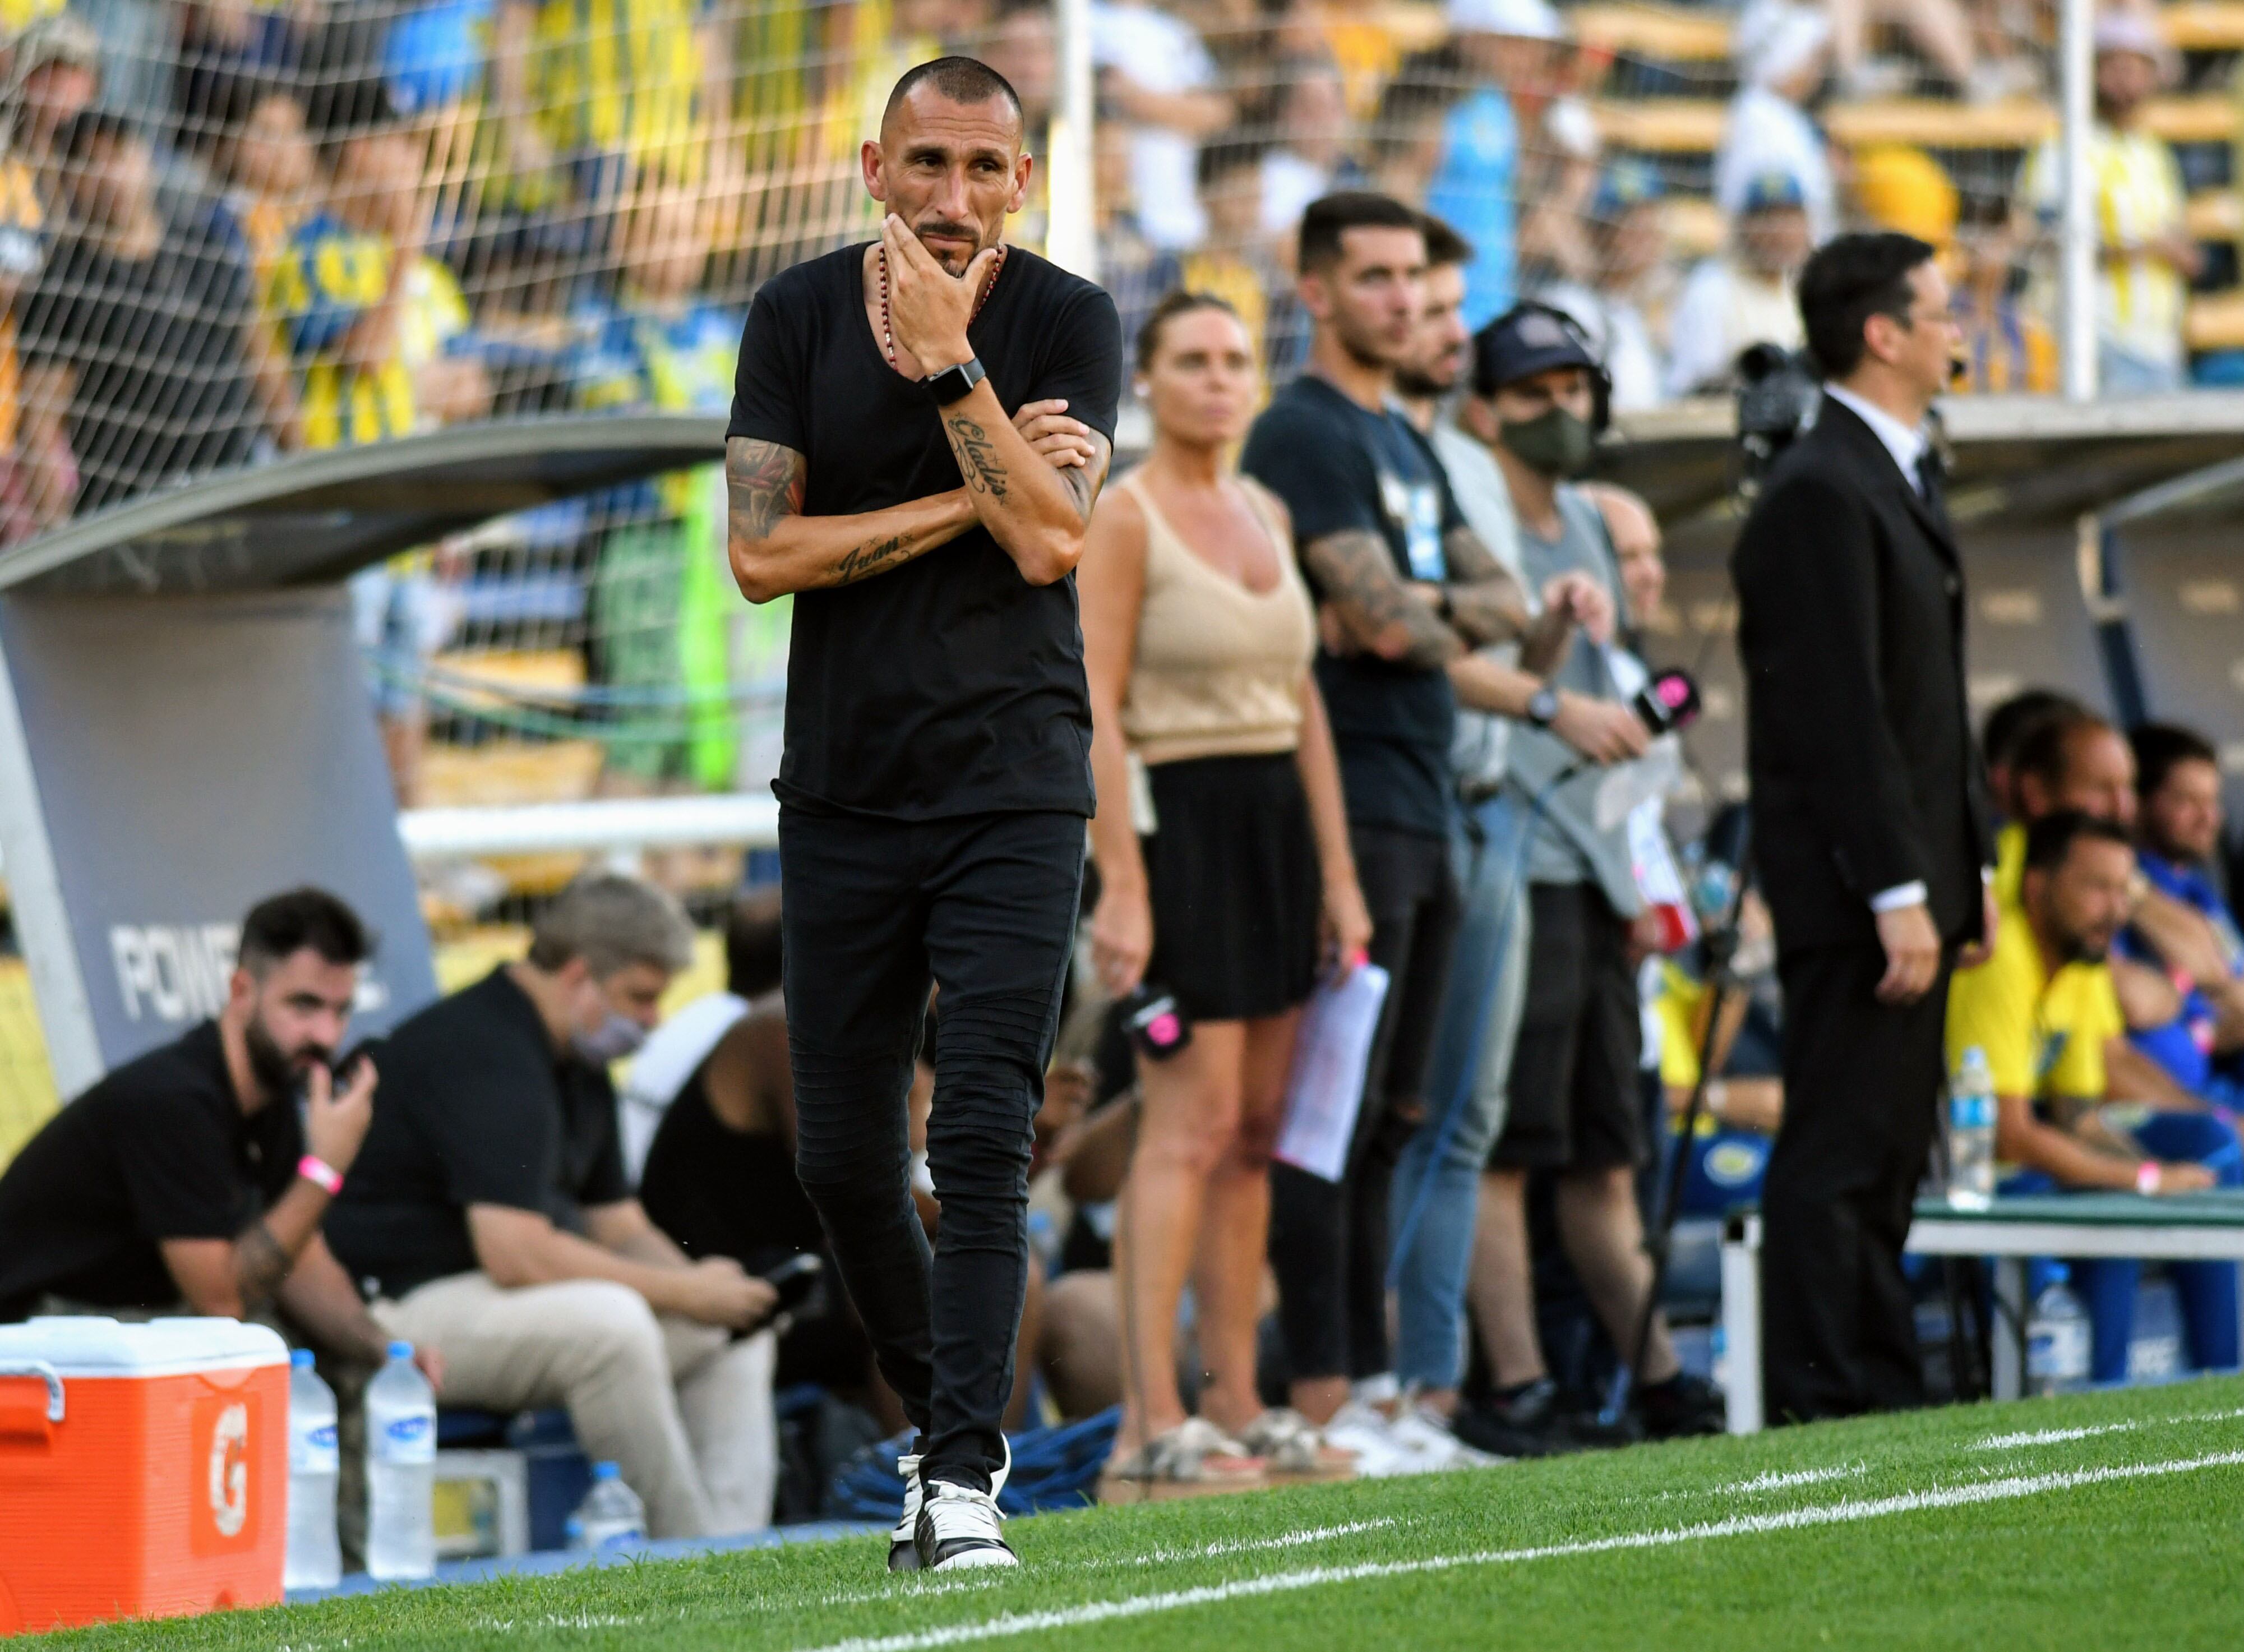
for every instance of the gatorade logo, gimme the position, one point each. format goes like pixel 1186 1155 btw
pixel 223 1442
pixel 229 1471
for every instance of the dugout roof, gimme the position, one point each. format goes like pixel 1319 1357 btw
pixel 2019 461
pixel 317 516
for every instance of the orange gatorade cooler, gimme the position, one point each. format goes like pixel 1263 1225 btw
pixel 144 1469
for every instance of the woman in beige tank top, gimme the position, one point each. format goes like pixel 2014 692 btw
pixel 1224 878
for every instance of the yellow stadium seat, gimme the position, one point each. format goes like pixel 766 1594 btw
pixel 1656 33
pixel 2204 25
pixel 2216 322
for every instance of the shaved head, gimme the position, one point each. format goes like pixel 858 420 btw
pixel 962 80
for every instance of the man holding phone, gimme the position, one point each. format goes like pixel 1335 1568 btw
pixel 489 1214
pixel 187 1180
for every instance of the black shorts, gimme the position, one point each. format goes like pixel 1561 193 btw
pixel 1236 892
pixel 1575 1100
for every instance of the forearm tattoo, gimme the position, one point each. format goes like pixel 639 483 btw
pixel 1083 482
pixel 861 561
pixel 763 482
pixel 1355 573
pixel 978 456
pixel 1485 602
pixel 260 1265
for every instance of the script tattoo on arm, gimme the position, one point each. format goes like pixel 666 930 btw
pixel 1486 604
pixel 763 482
pixel 863 561
pixel 978 456
pixel 260 1265
pixel 1355 574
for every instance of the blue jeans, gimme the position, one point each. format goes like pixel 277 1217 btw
pixel 2208 1289
pixel 1437 1194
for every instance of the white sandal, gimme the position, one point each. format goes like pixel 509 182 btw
pixel 1195 1452
pixel 1295 1447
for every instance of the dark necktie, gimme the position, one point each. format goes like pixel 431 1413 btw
pixel 1930 479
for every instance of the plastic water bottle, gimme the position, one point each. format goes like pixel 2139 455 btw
pixel 314 1558
pixel 1971 1133
pixel 2057 1339
pixel 610 1513
pixel 401 1470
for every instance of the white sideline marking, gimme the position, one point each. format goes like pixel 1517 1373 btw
pixel 1738 1526
pixel 2057 1436
pixel 1769 1481
pixel 2051 1436
pixel 1248 1545
pixel 917 1586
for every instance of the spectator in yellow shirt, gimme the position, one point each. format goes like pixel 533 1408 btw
pixel 611 93
pixel 2042 1009
pixel 2147 258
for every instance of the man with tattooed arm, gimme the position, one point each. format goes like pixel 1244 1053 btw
pixel 1410 599
pixel 187 1180
pixel 920 426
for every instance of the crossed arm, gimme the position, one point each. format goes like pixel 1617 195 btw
pixel 774 548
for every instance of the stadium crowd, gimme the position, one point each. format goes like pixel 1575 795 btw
pixel 1407 289
pixel 236 230
pixel 233 230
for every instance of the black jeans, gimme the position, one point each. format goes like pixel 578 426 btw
pixel 1328 1240
pixel 984 906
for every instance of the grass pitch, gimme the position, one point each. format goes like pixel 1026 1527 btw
pixel 2109 1520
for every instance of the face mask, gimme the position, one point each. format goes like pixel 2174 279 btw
pixel 618 1036
pixel 1554 442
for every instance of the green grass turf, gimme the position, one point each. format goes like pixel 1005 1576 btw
pixel 2151 1560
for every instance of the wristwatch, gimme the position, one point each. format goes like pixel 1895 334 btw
pixel 954 383
pixel 1543 706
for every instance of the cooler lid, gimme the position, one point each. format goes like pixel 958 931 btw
pixel 93 1346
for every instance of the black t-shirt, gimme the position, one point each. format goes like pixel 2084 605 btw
pixel 721 1192
pixel 950 686
pixel 474 1107
pixel 159 1150
pixel 1339 468
pixel 160 348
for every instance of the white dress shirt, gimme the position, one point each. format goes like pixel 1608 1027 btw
pixel 1907 447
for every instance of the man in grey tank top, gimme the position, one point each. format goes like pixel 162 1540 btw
pixel 1574 1110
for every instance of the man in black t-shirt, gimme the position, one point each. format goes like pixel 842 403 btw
pixel 146 331
pixel 919 429
pixel 1408 594
pixel 490 1214
pixel 187 1176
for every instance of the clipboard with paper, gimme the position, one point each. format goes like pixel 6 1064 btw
pixel 1330 1053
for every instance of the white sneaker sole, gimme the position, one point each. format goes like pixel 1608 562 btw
pixel 973 1559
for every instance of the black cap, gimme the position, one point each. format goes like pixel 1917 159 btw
pixel 1528 339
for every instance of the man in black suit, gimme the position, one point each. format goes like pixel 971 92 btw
pixel 1870 819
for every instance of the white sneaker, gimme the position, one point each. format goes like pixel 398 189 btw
pixel 957 1526
pixel 1425 1435
pixel 1359 1428
pixel 903 1551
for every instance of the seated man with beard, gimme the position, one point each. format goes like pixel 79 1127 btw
pixel 2045 1016
pixel 186 1180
